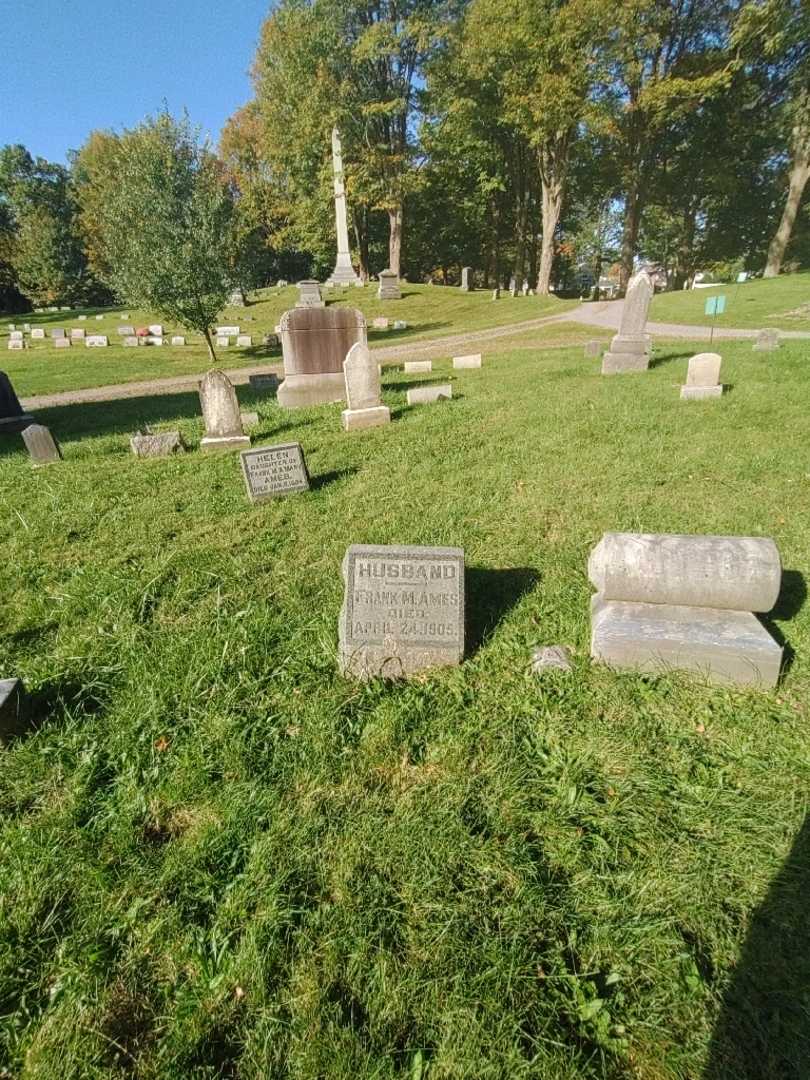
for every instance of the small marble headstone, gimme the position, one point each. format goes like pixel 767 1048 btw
pixel 99 318
pixel 131 341
pixel 261 383
pixel 178 339
pixel 227 331
pixel 164 444
pixel 400 324
pixel 81 318
pixel 96 341
pixel 222 341
pixel 412 367
pixel 220 408
pixel 424 395
pixel 363 391
pixel 466 271
pixel 153 339
pixel 244 341
pixel 380 323
pixel 77 333
pixel 57 331
pixel 271 471
pixel 16 335
pixel 703 377
pixel 309 295
pixel 403 610
pixel 62 343
pixel 37 333
pixel 16 343
pixel 471 361
pixel 27 327
pixel 551 656
pixel 42 446
pixel 125 331
pixel 767 340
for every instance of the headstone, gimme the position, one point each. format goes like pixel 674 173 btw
pixel 271 471
pixel 99 318
pixel 96 341
pixel 227 331
pixel 131 342
pixel 380 323
pixel 57 331
pixel 178 339
pixel 27 327
pixel 314 343
pixel 65 307
pixel 125 331
pixel 400 324
pixel 41 445
pixel 403 610
pixel 16 335
pixel 703 378
pixel 153 339
pixel 343 274
pixel 389 286
pixel 220 409
pixel 686 602
pixel 37 333
pixel 551 657
pixel 630 348
pixel 466 285
pixel 309 295
pixel 77 333
pixel 471 361
pixel 16 344
pixel 12 417
pixel 262 383
pixel 244 341
pixel 281 283
pixel 767 341
pixel 236 299
pixel 222 341
pixel 593 349
pixel 12 709
pixel 62 343
pixel 424 395
pixel 163 444
pixel 81 318
pixel 412 367
pixel 363 391
pixel 156 329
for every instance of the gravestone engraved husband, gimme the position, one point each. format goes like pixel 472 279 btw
pixel 403 610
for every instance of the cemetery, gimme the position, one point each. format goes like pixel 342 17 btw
pixel 401 679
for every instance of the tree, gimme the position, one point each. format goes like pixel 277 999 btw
pixel 166 230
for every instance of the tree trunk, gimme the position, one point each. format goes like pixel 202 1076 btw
pixel 799 175
pixel 395 238
pixel 520 248
pixel 360 220
pixel 552 205
pixel 212 356
pixel 632 220
pixel 683 255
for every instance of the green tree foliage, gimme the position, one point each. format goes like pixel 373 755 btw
pixel 167 228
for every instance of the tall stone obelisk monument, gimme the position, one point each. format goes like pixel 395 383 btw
pixel 343 274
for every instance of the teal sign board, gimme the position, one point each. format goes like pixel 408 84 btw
pixel 715 305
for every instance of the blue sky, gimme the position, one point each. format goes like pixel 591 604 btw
pixel 69 66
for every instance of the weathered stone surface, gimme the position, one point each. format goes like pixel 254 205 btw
pixel 37 333
pixel 156 329
pixel 314 343
pixel 62 343
pixel 98 317
pixel 496 294
pixel 471 361
pixel 363 390
pixel 701 393
pixel 222 342
pixel 403 610
pixel 357 419
pixel 424 395
pixel 131 342
pixel 125 331
pixel 244 341
pixel 57 332
pixel 96 341
pixel 630 348
pixel 16 335
pixel 220 409
pixel 466 278
pixel 250 419
pixel 738 573
pixel 309 295
pixel 12 417
pixel 593 349
pixel 41 445
pixel 16 344
pixel 178 339
pixel 81 318
pixel 271 471
pixel 153 339
pixel 227 331
pixel 766 341
pixel 380 323
pixel 77 333
pixel 414 367
pixel 704 370
pixel 389 286
pixel 725 647
pixel 264 383
pixel 551 657
pixel 12 709
pixel 163 444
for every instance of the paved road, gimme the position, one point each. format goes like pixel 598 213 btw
pixel 603 315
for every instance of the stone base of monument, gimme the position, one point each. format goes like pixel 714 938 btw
pixel 626 354
pixel 356 419
pixel 299 391
pixel 210 443
pixel 724 647
pixel 699 393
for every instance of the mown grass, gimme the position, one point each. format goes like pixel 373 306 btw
pixel 220 858
pixel 430 311
pixel 782 302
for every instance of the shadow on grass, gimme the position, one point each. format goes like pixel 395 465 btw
pixel 763 1031
pixel 790 601
pixel 325 479
pixel 51 700
pixel 666 358
pixel 490 596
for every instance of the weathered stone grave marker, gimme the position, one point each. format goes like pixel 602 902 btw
pixel 96 341
pixel 41 445
pixel 413 367
pixel 471 361
pixel 62 343
pixel 272 471
pixel 466 285
pixel 630 348
pixel 220 409
pixel 314 343
pixel 363 391
pixel 403 610
pixel 388 288
pixel 309 295
pixel 77 333
pixel 766 341
pixel 425 395
pixel 37 333
pixel 703 378
pixel 161 444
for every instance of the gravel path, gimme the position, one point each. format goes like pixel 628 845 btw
pixel 604 315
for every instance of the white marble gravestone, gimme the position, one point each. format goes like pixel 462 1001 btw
pixel 363 391
pixel 220 409
pixel 703 378
pixel 630 348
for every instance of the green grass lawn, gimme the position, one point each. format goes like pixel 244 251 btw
pixel 782 302
pixel 430 311
pixel 220 858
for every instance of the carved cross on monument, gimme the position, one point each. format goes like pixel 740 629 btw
pixel 343 274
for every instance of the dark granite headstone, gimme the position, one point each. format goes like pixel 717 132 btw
pixel 12 417
pixel 271 471
pixel 403 610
